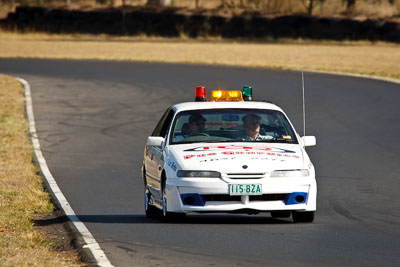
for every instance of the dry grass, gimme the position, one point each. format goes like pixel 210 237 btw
pixel 380 59
pixel 21 190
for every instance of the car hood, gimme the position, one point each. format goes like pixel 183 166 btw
pixel 237 158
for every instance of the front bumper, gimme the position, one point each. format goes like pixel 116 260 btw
pixel 212 195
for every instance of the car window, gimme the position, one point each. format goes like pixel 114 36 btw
pixel 163 125
pixel 227 125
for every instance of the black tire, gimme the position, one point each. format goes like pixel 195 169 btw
pixel 150 210
pixel 303 217
pixel 280 214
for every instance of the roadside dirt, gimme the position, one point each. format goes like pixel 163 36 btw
pixel 56 229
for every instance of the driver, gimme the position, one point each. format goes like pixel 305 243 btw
pixel 251 124
pixel 195 126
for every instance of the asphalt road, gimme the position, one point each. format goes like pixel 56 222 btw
pixel 93 118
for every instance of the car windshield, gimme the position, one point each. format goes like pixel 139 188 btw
pixel 231 125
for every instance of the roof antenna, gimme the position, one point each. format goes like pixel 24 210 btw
pixel 304 105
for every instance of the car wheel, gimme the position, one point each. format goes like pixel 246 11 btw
pixel 165 212
pixel 303 217
pixel 151 211
pixel 167 215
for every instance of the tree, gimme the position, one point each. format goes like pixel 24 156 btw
pixel 350 4
pixel 311 4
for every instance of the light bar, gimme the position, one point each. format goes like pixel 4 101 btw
pixel 200 93
pixel 226 95
pixel 247 93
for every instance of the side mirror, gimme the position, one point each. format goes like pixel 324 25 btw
pixel 309 140
pixel 154 140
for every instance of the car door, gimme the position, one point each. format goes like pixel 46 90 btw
pixel 154 162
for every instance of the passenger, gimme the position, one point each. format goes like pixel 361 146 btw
pixel 251 124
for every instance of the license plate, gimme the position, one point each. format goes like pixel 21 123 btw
pixel 245 189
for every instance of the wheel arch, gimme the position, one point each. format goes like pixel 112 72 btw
pixel 163 179
pixel 144 174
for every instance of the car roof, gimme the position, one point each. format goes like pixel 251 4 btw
pixel 225 105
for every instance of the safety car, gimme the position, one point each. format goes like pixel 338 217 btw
pixel 228 154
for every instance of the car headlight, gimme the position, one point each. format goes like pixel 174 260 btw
pixel 290 173
pixel 202 174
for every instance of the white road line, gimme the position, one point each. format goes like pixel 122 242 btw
pixel 366 76
pixel 91 243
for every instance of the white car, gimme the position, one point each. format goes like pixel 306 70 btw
pixel 245 158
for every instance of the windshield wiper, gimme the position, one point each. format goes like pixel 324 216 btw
pixel 279 141
pixel 223 141
pixel 238 141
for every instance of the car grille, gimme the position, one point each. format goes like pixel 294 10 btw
pixel 245 175
pixel 266 197
pixel 220 198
